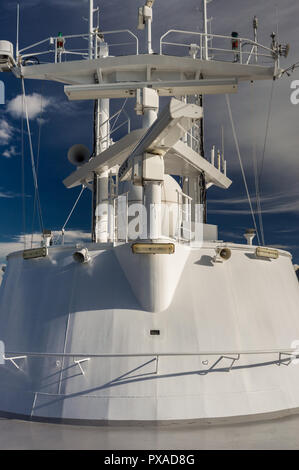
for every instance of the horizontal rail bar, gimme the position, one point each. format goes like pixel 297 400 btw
pixel 34 45
pixel 75 53
pixel 167 354
pixel 50 51
pixel 218 49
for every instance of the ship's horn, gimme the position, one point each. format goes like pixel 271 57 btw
pixel 225 253
pixel 78 154
pixel 82 256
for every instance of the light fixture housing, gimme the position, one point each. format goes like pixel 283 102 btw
pixel 153 248
pixel 270 253
pixel 35 253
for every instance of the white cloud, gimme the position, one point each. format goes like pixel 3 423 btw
pixel 286 201
pixel 7 195
pixel 283 247
pixel 6 132
pixel 10 194
pixel 274 205
pixel 10 152
pixel 36 105
pixel 75 236
pixel 9 247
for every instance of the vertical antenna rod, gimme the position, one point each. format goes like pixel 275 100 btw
pixel 91 31
pixel 222 141
pixel 18 31
pixel 145 18
pixel 205 21
pixel 149 19
pixel 255 26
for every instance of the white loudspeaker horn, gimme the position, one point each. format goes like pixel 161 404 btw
pixel 78 154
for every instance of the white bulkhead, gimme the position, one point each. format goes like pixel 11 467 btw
pixel 216 311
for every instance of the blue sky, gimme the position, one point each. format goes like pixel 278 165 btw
pixel 62 124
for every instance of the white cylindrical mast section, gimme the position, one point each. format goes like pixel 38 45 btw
pixel 148 18
pixel 149 36
pixel 152 196
pixel 149 117
pixel 98 48
pixel 149 100
pixel 104 130
pixel 103 112
pixel 102 207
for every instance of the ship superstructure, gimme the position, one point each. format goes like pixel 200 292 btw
pixel 155 319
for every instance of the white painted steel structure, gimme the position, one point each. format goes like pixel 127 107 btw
pixel 217 355
pixel 100 332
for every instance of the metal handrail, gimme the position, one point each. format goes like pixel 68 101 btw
pixel 74 36
pixel 192 141
pixel 108 136
pixel 232 356
pixel 202 36
pixel 19 355
pixel 115 115
pixel 114 129
pixel 182 212
pixel 35 44
pixel 124 31
pixel 210 36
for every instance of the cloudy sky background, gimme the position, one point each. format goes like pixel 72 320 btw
pixel 57 124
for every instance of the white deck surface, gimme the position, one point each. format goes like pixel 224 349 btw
pixel 274 434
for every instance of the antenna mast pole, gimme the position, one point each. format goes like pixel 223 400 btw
pixel 91 30
pixel 205 21
pixel 148 17
pixel 18 30
pixel 98 48
pixel 255 26
pixel 149 31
